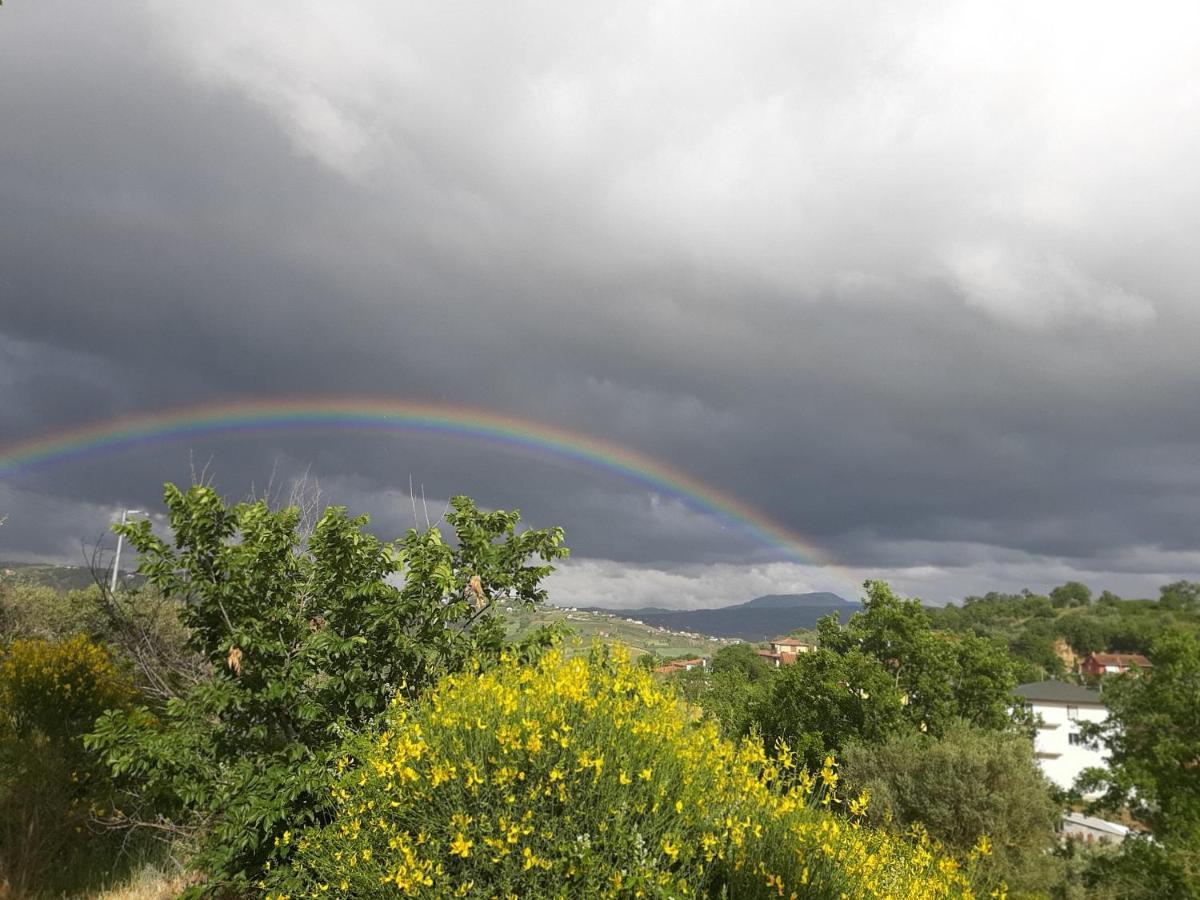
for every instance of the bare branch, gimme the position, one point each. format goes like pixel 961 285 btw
pixel 137 632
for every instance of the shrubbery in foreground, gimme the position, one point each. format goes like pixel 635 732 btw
pixel 581 778
pixel 50 788
pixel 301 639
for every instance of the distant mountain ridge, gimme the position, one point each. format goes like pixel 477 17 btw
pixel 796 601
pixel 759 619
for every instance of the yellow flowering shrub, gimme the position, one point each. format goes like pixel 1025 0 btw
pixel 583 778
pixel 51 693
pixel 57 689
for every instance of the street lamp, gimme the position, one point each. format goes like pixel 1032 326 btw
pixel 125 513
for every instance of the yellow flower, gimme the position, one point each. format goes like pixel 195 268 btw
pixel 460 846
pixel 983 846
pixel 859 806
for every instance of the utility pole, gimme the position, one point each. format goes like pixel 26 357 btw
pixel 117 559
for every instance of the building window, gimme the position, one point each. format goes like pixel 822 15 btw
pixel 1075 739
pixel 1073 713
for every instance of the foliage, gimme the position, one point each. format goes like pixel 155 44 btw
pixel 1073 593
pixel 1085 633
pixel 743 659
pixel 1152 737
pixel 583 778
pixel 1031 624
pixel 38 611
pixel 941 678
pixel 884 672
pixel 825 700
pixel 1180 595
pixel 305 640
pixel 1035 644
pixel 139 625
pixel 965 787
pixel 50 695
pixel 1140 870
pixel 734 687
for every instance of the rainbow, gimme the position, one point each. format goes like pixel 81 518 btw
pixel 378 414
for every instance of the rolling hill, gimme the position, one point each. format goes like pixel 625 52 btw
pixel 755 620
pixel 58 577
pixel 606 627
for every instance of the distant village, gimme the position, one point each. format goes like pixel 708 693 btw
pixel 1060 709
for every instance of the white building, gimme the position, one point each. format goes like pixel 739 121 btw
pixel 1091 830
pixel 1058 745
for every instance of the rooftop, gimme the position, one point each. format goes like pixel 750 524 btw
pixel 1080 820
pixel 1120 659
pixel 1058 692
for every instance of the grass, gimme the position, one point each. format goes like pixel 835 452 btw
pixel 149 882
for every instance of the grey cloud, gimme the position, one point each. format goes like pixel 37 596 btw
pixel 917 283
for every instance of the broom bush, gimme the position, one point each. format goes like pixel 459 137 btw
pixel 585 778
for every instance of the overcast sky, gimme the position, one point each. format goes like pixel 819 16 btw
pixel 919 281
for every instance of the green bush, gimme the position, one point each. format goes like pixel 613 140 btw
pixel 585 778
pixel 51 788
pixel 36 611
pixel 964 787
pixel 305 638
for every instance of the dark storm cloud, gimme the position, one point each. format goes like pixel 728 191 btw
pixel 919 285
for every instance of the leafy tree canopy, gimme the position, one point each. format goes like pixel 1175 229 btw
pixel 1180 595
pixel 304 639
pixel 1073 593
pixel 741 658
pixel 942 677
pixel 1152 737
pixel 885 671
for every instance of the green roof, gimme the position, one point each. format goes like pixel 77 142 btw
pixel 1058 692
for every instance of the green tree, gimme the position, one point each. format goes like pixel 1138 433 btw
pixel 825 699
pixel 942 677
pixel 1180 595
pixel 304 640
pixel 1152 737
pixel 1073 593
pixel 741 658
pixel 962 787
pixel 650 660
pixel 1085 633
pixel 1139 870
pixel 982 676
pixel 738 681
pixel 1034 644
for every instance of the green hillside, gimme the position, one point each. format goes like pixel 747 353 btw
pixel 610 628
pixel 58 577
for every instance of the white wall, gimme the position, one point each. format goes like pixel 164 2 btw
pixel 1061 760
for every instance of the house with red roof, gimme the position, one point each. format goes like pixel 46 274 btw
pixel 784 651
pixel 1097 664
